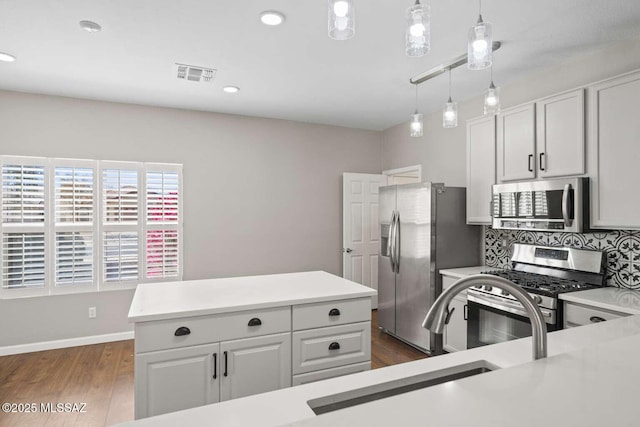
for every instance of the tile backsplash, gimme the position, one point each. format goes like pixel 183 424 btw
pixel 621 246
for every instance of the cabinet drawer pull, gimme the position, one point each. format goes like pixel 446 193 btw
pixel 181 331
pixel 215 365
pixel 334 346
pixel 334 312
pixel 597 319
pixel 226 364
pixel 255 322
pixel 466 312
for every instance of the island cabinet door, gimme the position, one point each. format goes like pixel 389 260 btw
pixel 171 380
pixel 255 365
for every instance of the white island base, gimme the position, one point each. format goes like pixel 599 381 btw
pixel 207 341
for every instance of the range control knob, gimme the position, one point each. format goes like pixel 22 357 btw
pixel 487 288
pixel 505 293
pixel 537 299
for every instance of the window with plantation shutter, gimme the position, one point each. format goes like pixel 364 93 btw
pixel 74 207
pixel 163 226
pixel 71 225
pixel 23 225
pixel 121 227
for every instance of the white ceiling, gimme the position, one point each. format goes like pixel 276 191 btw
pixel 294 71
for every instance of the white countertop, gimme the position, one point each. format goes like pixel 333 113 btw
pixel 459 273
pixel 609 298
pixel 592 381
pixel 156 301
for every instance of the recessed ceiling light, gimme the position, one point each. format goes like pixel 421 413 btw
pixel 231 89
pixel 272 18
pixel 5 57
pixel 90 26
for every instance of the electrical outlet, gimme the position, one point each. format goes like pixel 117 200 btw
pixel 92 313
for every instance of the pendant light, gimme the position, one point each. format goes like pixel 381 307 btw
pixel 450 111
pixel 341 19
pixel 492 98
pixel 418 34
pixel 416 125
pixel 480 44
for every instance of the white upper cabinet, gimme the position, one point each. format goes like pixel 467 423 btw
pixel 560 135
pixel 544 139
pixel 516 143
pixel 614 152
pixel 481 168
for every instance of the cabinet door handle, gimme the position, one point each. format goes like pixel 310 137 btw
pixel 466 312
pixel 226 363
pixel 334 346
pixel 334 312
pixel 255 322
pixel 448 317
pixel 181 331
pixel 541 161
pixel 215 365
pixel 597 319
pixel 529 162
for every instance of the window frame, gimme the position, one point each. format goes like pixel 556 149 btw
pixel 48 227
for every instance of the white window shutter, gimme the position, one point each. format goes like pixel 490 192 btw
pixel 23 193
pixel 23 260
pixel 121 256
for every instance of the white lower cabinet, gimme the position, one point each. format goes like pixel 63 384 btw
pixel 255 365
pixel 171 380
pixel 192 361
pixel 580 315
pixel 455 333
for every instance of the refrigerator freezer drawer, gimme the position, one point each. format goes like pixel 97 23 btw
pixel 334 313
pixel 326 348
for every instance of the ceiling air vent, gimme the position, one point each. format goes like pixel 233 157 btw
pixel 195 74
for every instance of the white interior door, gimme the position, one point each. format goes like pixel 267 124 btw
pixel 361 228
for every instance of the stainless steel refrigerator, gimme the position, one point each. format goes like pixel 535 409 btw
pixel 423 230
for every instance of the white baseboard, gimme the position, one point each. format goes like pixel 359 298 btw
pixel 71 342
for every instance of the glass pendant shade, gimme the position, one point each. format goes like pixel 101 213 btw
pixel 492 100
pixel 416 126
pixel 480 46
pixel 450 114
pixel 341 19
pixel 418 34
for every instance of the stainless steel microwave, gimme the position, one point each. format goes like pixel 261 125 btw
pixel 549 205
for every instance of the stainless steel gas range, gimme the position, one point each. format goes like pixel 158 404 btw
pixel 544 272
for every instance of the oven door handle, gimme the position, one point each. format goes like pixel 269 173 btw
pixel 503 304
pixel 565 205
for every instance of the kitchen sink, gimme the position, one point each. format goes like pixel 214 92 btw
pixel 359 396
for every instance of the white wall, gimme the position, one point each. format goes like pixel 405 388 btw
pixel 442 152
pixel 261 195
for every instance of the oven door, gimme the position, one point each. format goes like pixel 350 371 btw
pixel 490 325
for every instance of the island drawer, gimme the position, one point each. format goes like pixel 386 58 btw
pixel 188 331
pixel 333 313
pixel 326 348
pixel 330 373
pixel 579 315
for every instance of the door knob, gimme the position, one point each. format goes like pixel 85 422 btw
pixel 348 250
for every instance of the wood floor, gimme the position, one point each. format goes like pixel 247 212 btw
pixel 101 376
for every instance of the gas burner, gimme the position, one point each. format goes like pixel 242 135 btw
pixel 540 283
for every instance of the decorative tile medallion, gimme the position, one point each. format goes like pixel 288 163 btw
pixel 621 246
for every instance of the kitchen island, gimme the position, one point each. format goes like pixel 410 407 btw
pixel 205 341
pixel 589 379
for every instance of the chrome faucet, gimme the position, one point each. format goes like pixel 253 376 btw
pixel 438 315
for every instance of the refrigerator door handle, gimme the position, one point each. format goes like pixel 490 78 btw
pixel 396 242
pixel 390 241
